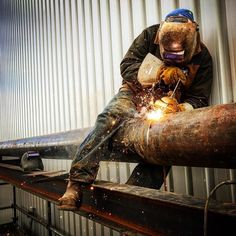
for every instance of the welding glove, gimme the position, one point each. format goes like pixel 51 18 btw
pixel 170 105
pixel 185 106
pixel 167 105
pixel 171 74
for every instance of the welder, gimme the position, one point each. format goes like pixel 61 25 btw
pixel 181 59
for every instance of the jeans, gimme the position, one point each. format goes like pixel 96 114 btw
pixel 85 165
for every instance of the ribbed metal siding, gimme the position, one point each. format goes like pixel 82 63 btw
pixel 60 66
pixel 60 59
pixel 6 201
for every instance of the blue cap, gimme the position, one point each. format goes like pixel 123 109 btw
pixel 181 12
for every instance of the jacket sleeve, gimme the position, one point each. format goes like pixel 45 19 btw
pixel 199 92
pixel 131 62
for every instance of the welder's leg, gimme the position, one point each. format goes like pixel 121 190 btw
pixel 85 167
pixel 148 175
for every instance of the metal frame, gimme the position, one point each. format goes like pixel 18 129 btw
pixel 115 205
pixel 47 224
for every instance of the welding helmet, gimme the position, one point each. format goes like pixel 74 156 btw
pixel 178 37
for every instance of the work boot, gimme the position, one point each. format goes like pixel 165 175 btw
pixel 72 197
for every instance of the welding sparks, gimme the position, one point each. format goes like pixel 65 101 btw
pixel 154 115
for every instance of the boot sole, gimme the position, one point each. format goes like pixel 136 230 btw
pixel 67 208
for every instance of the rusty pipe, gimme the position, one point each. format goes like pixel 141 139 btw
pixel 203 137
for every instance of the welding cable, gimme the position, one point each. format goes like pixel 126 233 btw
pixel 176 86
pixel 227 182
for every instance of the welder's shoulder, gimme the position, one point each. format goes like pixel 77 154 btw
pixel 152 30
pixel 205 52
pixel 203 57
pixel 149 33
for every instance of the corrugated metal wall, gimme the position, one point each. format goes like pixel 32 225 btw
pixel 59 66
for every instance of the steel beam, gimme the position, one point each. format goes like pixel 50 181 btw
pixel 134 210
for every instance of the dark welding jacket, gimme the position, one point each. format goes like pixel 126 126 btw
pixel 201 72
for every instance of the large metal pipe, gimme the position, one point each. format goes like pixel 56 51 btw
pixel 203 137
pixel 61 145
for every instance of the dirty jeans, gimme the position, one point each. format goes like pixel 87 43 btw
pixel 84 167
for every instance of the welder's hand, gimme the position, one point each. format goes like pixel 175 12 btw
pixel 171 74
pixel 185 106
pixel 167 105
